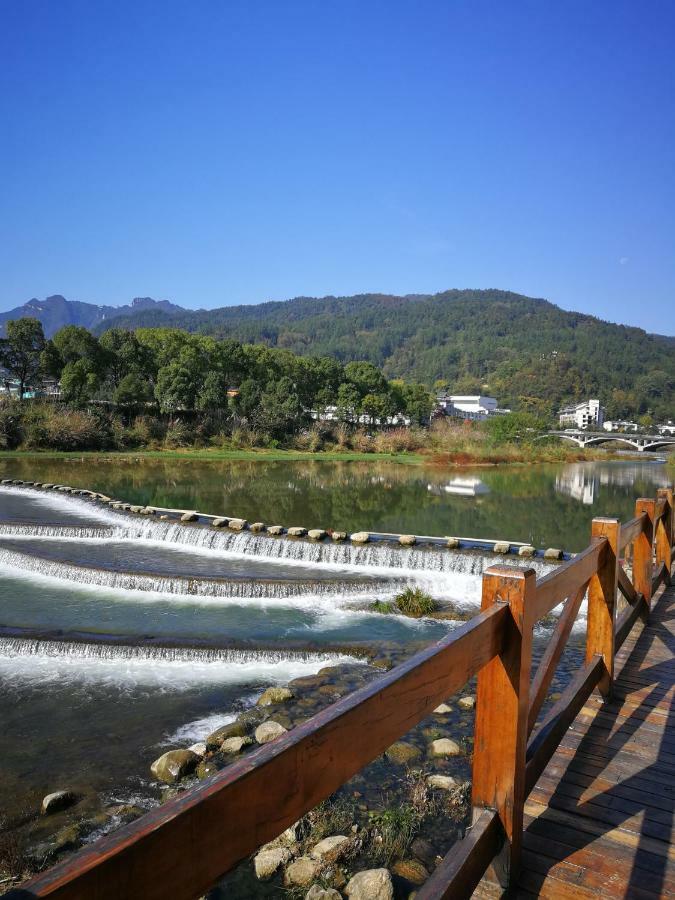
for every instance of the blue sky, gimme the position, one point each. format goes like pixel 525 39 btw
pixel 233 152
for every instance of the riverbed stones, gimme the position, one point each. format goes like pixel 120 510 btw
pixel 411 870
pixel 174 765
pixel 257 527
pixel 316 534
pixel 297 531
pixel 302 871
pixel 238 524
pixel 372 884
pixel 452 543
pixel 269 731
pixel 501 547
pixel 339 535
pixel 275 695
pixel 235 744
pixel 275 530
pixel 57 801
pixel 360 537
pixel 316 892
pixel 199 749
pixel 328 849
pixel 189 517
pixel 402 753
pixel 206 769
pixel 442 710
pixel 553 553
pixel 527 550
pixel 232 729
pixel 445 747
pixel 467 702
pixel 407 540
pixel 441 782
pixel 267 862
pixel 220 522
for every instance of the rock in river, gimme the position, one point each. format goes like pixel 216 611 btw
pixel 269 731
pixel 172 766
pixel 57 801
pixel 274 695
pixel 373 884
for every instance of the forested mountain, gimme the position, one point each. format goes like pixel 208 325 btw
pixel 55 312
pixel 527 352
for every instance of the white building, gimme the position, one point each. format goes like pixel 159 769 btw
pixel 620 425
pixel 469 406
pixel 669 428
pixel 583 415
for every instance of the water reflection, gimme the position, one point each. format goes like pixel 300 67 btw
pixel 466 486
pixel 584 481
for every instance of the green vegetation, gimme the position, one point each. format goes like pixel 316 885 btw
pixel 532 355
pixel 381 606
pixel 395 829
pixel 414 602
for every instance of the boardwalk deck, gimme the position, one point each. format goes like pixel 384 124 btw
pixel 599 822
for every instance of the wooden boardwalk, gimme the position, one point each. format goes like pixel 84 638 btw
pixel 599 822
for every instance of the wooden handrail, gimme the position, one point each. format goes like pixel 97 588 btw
pixel 180 849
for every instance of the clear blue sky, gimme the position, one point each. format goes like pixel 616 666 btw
pixel 233 152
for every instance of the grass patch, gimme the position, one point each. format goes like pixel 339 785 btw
pixel 393 831
pixel 382 606
pixel 415 602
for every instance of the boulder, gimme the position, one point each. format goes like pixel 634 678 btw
pixel 269 731
pixel 328 849
pixel 501 547
pixel 452 543
pixel 238 524
pixel 235 744
pixel 135 508
pixel 275 530
pixel 267 862
pixel 232 729
pixel 411 870
pixel 442 710
pixel 441 782
pixel 316 892
pixel 373 884
pixel 407 540
pixel 275 695
pixel 174 765
pixel 220 522
pixel 339 535
pixel 57 801
pixel 302 871
pixel 526 550
pixel 360 537
pixel 402 752
pixel 316 534
pixel 189 517
pixel 206 769
pixel 445 747
pixel 553 553
pixel 467 702
pixel 257 527
pixel 297 531
pixel 199 749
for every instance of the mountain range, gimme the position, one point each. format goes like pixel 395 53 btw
pixel 526 351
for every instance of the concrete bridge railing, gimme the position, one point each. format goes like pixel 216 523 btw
pixel 640 442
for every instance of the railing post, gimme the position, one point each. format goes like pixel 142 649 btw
pixel 664 532
pixel 643 552
pixel 502 707
pixel 602 590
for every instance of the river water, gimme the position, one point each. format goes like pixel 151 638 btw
pixel 157 632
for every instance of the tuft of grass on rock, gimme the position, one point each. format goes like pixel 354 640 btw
pixel 382 606
pixel 415 602
pixel 393 831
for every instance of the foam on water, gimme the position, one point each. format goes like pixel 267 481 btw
pixel 64 503
pixel 36 662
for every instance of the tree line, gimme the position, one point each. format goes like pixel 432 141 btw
pixel 170 371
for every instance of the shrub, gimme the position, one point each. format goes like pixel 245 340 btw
pixel 59 428
pixel 414 602
pixel 11 426
pixel 178 434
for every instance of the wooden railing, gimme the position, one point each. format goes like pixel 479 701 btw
pixel 180 849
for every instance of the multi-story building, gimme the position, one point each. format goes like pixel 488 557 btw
pixel 469 406
pixel 583 415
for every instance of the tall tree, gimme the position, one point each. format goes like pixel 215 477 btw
pixel 21 350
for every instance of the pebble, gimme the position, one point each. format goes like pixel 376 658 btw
pixel 467 702
pixel 445 747
pixel 442 710
pixel 441 782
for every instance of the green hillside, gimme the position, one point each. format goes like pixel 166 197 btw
pixel 527 352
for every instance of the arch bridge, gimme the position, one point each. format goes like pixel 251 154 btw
pixel 639 442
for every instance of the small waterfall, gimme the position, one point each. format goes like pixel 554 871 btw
pixel 38 647
pixel 65 532
pixel 257 589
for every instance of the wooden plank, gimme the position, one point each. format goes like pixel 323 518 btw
pixel 660 577
pixel 181 848
pixel 551 658
pixel 643 549
pixel 628 618
pixel 462 868
pixel 631 530
pixel 502 704
pixel 602 600
pixel 566 579
pixel 544 742
pixel 626 587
